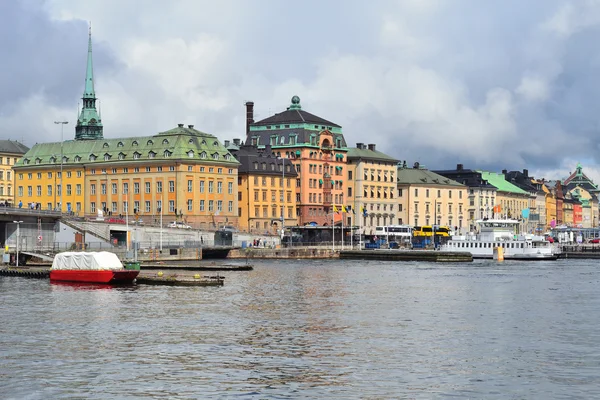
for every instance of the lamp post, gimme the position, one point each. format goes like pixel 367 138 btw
pixel 62 126
pixel 18 238
pixel 282 197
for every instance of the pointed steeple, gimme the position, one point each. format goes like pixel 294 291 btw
pixel 89 124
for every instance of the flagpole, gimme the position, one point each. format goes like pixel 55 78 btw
pixel 360 228
pixel 351 234
pixel 342 227
pixel 332 230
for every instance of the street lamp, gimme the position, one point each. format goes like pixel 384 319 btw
pixel 62 126
pixel 18 238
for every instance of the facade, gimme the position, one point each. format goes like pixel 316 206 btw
pixel 371 188
pixel 426 198
pixel 586 199
pixel 482 195
pixel 317 149
pixel 578 179
pixel 262 195
pixel 523 181
pixel 181 174
pixel 10 153
pixel 510 199
pixel 551 215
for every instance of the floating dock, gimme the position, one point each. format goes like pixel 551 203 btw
pixel 180 280
pixel 407 255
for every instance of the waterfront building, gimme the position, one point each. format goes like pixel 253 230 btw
pixel 579 179
pixel 183 173
pixel 588 203
pixel 481 195
pixel 11 152
pixel 551 215
pixel 317 149
pixel 511 199
pixel 426 198
pixel 371 188
pixel 522 180
pixel 266 189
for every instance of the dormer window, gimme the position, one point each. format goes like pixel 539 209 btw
pixel 165 141
pixel 191 141
pixel 136 155
pixel 215 156
pixel 203 142
pixel 167 153
pixel 121 156
pixel 134 143
pixel 272 167
pixel 120 144
pixel 151 154
pixel 203 155
pixel 215 143
pixel 93 157
pixel 26 161
pixel 65 159
pixel 105 145
pixel 52 160
pixel 227 157
pixel 190 154
pixel 255 165
pixel 77 158
pixel 38 160
pixel 264 166
pixel 150 143
pixel 106 157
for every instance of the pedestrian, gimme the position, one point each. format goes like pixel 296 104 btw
pixel 20 204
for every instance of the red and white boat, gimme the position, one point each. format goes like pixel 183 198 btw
pixel 90 267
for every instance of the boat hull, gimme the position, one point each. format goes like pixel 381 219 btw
pixel 94 276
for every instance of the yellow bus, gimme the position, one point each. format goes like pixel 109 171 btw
pixel 427 231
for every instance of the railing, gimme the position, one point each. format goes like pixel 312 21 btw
pixel 28 210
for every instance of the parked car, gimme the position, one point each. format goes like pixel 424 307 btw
pixel 179 225
pixel 595 240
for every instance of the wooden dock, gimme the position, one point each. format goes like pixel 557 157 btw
pixel 179 280
pixel 407 255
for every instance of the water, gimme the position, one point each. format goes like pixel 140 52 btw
pixel 312 329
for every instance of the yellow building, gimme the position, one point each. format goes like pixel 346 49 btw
pixel 10 153
pixel 182 174
pixel 550 207
pixel 262 195
pixel 426 198
pixel 371 188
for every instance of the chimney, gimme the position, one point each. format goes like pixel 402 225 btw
pixel 236 142
pixel 249 115
pixel 226 143
pixel 372 146
pixel 359 146
pixel 504 172
pixel 180 125
pixel 526 173
pixel 459 167
pixel 191 126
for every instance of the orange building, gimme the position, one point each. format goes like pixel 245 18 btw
pixel 316 148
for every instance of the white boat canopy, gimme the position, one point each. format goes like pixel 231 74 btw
pixel 86 261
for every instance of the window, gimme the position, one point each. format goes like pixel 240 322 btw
pixel 190 205
pixel 159 206
pixel 147 187
pixel 79 174
pixel 114 189
pixel 211 187
pixel 201 186
pixel 426 193
pixel 220 205
pixel 93 188
pixel 416 192
pixel 93 207
pixel 171 205
pixel 201 205
pixel 68 190
pixel 125 188
pixel 171 168
pixel 38 190
pixel 230 187
pixel 219 187
pixel 159 187
pixel 49 190
pixel 39 175
pixel 211 205
pixel 147 206
pixel 8 175
pixel 171 186
pixel 78 189
pixel 136 187
pixel 158 169
pixel 114 206
pixel 190 186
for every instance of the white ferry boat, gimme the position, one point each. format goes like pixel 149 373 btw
pixel 501 233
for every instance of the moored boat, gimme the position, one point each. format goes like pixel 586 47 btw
pixel 495 233
pixel 90 267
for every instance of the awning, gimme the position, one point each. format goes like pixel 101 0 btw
pixel 297 152
pixel 320 181
pixel 338 168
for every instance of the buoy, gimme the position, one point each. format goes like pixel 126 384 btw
pixel 499 253
pixel 159 273
pixel 197 276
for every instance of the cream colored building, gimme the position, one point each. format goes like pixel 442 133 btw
pixel 11 152
pixel 371 188
pixel 426 198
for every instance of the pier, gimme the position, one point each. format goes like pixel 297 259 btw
pixel 407 255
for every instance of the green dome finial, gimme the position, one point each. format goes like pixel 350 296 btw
pixel 295 103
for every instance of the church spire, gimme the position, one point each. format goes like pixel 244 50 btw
pixel 89 124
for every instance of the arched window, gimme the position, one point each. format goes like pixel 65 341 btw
pixel 203 142
pixel 134 143
pixel 165 141
pixel 120 144
pixel 149 143
pixel 191 141
pixel 105 145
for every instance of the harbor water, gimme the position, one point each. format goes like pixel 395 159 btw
pixel 312 329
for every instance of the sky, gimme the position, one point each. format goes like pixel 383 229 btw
pixel 490 84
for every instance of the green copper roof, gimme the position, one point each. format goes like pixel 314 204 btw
pixel 89 123
pixel 366 154
pixel 500 183
pixel 422 177
pixel 176 144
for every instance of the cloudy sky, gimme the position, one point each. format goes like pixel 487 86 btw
pixel 490 84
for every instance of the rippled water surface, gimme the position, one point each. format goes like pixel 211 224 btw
pixel 312 329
